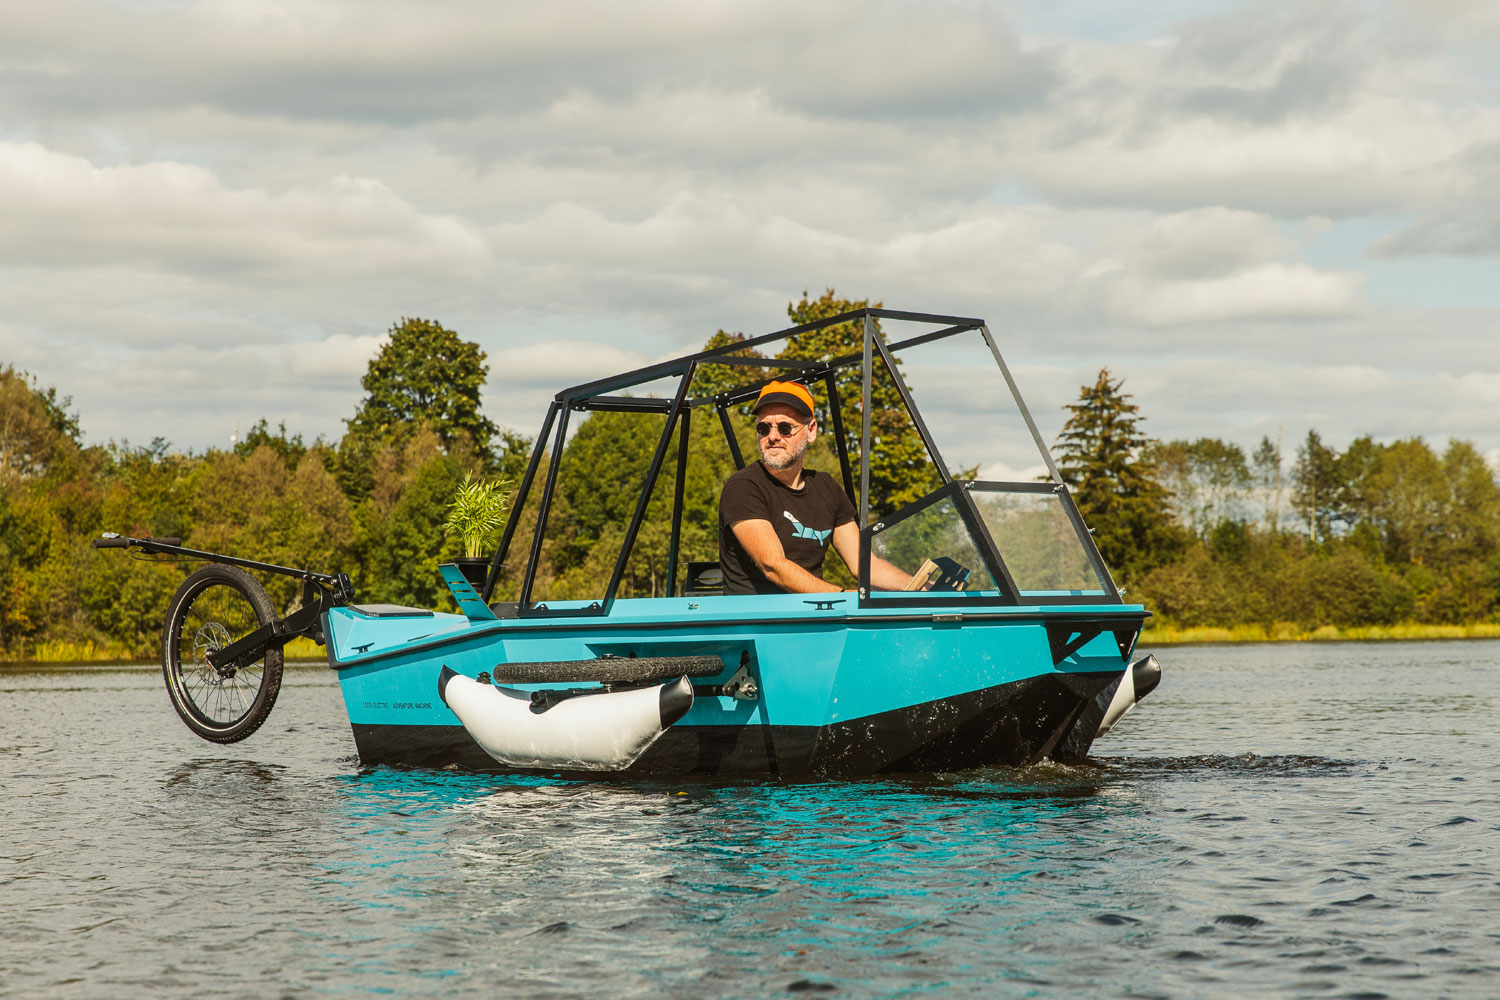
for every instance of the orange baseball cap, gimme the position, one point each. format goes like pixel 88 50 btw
pixel 792 394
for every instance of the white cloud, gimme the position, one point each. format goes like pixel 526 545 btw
pixel 340 356
pixel 16 348
pixel 246 195
pixel 64 211
pixel 336 362
pixel 558 364
pixel 1293 291
pixel 1380 153
pixel 1467 222
pixel 1329 379
pixel 1208 265
pixel 1245 400
pixel 1207 241
pixel 1002 472
pixel 1461 20
pixel 404 62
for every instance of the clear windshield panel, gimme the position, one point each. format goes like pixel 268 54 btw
pixel 969 410
pixel 1041 547
pixel 934 547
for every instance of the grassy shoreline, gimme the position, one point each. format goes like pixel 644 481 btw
pixel 300 649
pixel 89 653
pixel 1170 635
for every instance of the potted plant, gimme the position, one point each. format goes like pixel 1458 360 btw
pixel 476 513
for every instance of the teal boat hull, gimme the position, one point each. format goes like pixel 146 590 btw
pixel 839 690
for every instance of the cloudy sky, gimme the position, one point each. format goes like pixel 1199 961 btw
pixel 1262 215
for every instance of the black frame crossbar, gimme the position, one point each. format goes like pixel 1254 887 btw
pixel 676 366
pixel 606 395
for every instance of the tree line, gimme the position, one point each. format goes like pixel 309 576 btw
pixel 1204 535
pixel 1199 531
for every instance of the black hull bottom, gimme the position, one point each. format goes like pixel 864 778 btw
pixel 1013 724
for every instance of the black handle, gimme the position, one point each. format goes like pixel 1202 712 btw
pixel 125 542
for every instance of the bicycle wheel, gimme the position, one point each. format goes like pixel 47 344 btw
pixel 214 607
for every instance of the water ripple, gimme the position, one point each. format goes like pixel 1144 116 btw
pixel 1309 837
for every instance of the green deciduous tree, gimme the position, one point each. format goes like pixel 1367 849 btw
pixel 712 379
pixel 49 488
pixel 1207 480
pixel 124 600
pixel 425 373
pixel 290 448
pixel 1396 532
pixel 1406 497
pixel 36 431
pixel 598 486
pixel 254 505
pixel 901 470
pixel 1472 520
pixel 399 536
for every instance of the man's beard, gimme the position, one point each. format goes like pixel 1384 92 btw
pixel 790 456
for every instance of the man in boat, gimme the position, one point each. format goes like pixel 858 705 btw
pixel 777 518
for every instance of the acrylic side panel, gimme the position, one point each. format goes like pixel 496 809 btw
pixel 932 533
pixel 969 410
pixel 1039 543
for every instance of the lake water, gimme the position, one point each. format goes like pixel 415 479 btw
pixel 1275 820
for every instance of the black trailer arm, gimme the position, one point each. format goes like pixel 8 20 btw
pixel 320 591
pixel 337 582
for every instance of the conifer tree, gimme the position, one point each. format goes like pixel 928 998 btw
pixel 1116 490
pixel 1316 487
pixel 1268 480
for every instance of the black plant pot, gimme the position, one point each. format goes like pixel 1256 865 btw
pixel 474 569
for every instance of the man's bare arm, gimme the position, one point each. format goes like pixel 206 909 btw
pixel 758 538
pixel 883 575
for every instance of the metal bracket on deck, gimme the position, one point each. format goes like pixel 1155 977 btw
pixel 1067 637
pixel 741 685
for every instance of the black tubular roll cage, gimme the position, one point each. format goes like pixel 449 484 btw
pixel 601 395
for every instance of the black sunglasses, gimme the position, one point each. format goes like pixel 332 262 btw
pixel 784 428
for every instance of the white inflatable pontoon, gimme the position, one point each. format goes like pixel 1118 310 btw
pixel 577 731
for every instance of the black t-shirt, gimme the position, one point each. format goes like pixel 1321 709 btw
pixel 803 519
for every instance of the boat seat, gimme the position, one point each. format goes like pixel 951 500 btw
pixel 703 578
